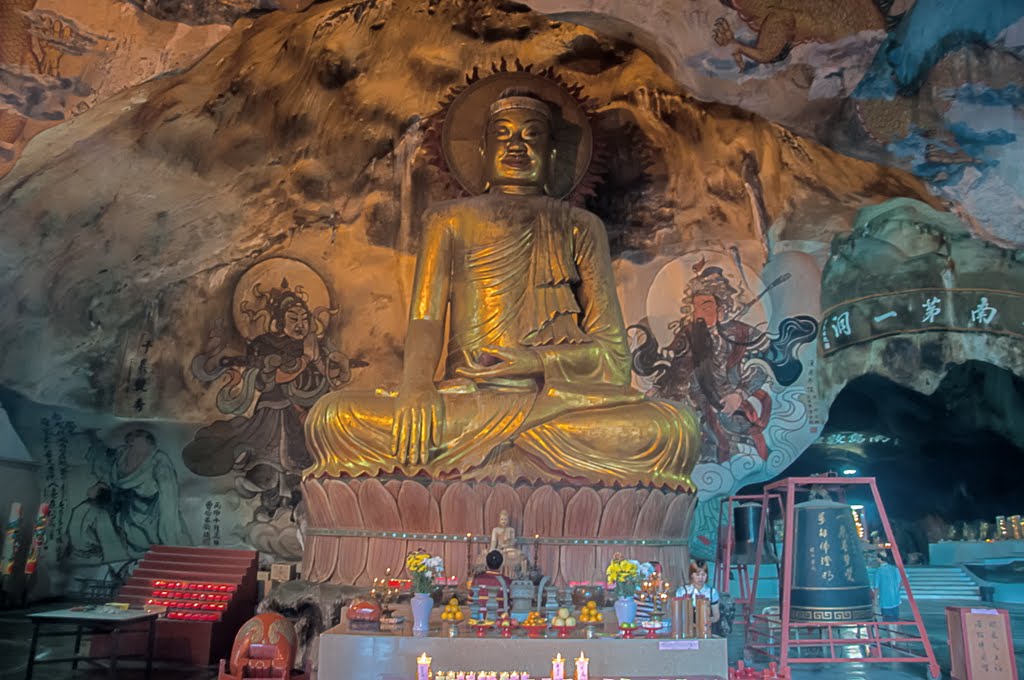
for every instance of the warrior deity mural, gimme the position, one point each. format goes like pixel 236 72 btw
pixel 282 309
pixel 718 355
pixel 721 364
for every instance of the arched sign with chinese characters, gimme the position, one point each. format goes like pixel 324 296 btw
pixel 966 310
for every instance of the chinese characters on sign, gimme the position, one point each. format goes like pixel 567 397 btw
pixel 987 645
pixel 831 558
pixel 930 309
pixel 56 430
pixel 984 313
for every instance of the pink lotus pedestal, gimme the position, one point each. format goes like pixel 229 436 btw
pixel 356 528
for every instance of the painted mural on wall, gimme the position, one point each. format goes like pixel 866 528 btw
pixel 282 309
pixel 277 348
pixel 932 86
pixel 710 339
pixel 133 502
pixel 113 488
pixel 57 57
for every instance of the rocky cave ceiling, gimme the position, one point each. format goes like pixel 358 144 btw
pixel 243 126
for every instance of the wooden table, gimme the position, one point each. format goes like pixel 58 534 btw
pixel 97 621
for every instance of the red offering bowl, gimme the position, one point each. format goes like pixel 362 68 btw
pixel 564 631
pixel 482 628
pixel 506 631
pixel 535 631
pixel 651 628
pixel 628 633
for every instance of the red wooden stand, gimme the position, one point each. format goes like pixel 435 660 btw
pixel 783 640
pixel 980 644
pixel 209 593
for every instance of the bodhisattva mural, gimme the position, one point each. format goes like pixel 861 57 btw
pixel 707 342
pixel 282 309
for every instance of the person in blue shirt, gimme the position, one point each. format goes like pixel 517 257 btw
pixel 888 588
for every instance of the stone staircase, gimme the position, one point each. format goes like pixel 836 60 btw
pixel 941 583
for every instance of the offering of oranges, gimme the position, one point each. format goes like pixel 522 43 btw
pixel 535 619
pixel 452 612
pixel 589 613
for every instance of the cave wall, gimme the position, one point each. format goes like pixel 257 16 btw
pixel 931 86
pixel 58 58
pixel 909 292
pixel 286 169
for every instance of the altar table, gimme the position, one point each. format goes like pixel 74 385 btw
pixel 346 654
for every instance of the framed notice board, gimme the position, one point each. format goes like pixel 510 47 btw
pixel 980 644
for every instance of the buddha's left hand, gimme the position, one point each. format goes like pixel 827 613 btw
pixel 503 362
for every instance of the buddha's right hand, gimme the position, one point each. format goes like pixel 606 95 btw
pixel 418 423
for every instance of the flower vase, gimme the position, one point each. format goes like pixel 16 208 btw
pixel 625 609
pixel 421 605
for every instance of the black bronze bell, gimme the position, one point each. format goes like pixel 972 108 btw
pixel 830 580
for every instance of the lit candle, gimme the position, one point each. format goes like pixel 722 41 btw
pixel 503 676
pixel 471 675
pixel 582 668
pixel 423 667
pixel 524 676
pixel 461 675
pixel 558 668
pixel 514 675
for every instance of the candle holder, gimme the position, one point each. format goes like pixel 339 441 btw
pixel 423 667
pixel 558 668
pixel 582 667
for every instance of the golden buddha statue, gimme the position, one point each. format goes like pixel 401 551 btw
pixel 537 379
pixel 503 539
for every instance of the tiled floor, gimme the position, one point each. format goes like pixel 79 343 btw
pixel 15 632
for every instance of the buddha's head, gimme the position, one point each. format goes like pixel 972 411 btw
pixel 503 519
pixel 517 143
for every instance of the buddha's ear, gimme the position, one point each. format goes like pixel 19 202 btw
pixel 552 161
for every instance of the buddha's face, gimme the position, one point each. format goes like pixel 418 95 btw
pixel 517 150
pixel 503 520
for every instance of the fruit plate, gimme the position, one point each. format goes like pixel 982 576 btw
pixel 506 627
pixel 564 631
pixel 534 630
pixel 628 630
pixel 482 628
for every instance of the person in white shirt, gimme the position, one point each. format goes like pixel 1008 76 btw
pixel 698 586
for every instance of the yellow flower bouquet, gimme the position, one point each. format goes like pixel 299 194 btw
pixel 424 570
pixel 625 575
